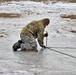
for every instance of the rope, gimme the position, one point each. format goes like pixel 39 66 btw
pixel 50 48
pixel 64 47
pixel 60 52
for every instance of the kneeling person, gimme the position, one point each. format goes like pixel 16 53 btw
pixel 33 30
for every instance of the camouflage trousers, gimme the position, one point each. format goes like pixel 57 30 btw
pixel 29 42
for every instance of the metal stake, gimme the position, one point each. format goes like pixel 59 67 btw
pixel 46 40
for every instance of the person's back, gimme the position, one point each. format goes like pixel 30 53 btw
pixel 33 28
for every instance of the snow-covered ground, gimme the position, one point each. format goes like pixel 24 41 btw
pixel 41 63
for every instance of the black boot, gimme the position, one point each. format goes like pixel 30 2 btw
pixel 17 45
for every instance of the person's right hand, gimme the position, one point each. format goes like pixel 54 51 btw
pixel 43 46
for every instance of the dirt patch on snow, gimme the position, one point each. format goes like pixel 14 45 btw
pixel 69 16
pixel 73 31
pixel 3 33
pixel 9 15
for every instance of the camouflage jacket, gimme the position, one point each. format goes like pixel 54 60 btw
pixel 35 29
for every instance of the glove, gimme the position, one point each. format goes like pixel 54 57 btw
pixel 46 34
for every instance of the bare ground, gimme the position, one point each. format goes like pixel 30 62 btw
pixel 69 16
pixel 9 15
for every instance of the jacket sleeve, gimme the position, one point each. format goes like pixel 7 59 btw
pixel 40 36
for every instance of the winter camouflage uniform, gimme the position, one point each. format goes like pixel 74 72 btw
pixel 30 32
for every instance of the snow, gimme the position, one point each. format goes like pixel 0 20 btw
pixel 47 62
pixel 18 7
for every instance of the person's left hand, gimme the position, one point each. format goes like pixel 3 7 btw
pixel 46 34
